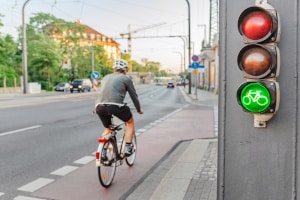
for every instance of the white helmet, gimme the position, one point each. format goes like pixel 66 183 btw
pixel 120 64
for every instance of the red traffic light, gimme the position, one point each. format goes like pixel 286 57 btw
pixel 257 24
pixel 259 61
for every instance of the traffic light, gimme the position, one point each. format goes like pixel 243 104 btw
pixel 259 61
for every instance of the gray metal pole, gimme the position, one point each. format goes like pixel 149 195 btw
pixel 93 57
pixel 24 50
pixel 189 20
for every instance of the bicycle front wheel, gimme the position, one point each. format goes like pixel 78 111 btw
pixel 107 168
pixel 130 159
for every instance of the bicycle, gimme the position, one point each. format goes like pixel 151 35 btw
pixel 114 152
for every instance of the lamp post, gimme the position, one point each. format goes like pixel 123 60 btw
pixel 204 40
pixel 183 51
pixel 24 49
pixel 189 19
pixel 93 57
pixel 180 59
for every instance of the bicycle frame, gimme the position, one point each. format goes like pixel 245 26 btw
pixel 112 136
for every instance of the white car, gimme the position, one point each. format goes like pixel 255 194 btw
pixel 62 87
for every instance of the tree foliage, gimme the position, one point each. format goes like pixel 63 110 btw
pixel 52 43
pixel 9 58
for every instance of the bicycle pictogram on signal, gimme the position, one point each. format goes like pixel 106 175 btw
pixel 255 97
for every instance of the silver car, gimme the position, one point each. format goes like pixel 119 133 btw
pixel 62 87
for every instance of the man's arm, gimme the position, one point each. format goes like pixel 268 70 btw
pixel 133 95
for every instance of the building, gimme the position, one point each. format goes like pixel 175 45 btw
pixel 87 37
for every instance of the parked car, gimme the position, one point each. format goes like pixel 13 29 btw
pixel 81 85
pixel 170 84
pixel 62 87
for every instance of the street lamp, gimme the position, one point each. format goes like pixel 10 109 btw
pixel 91 38
pixel 189 19
pixel 204 40
pixel 24 49
pixel 181 60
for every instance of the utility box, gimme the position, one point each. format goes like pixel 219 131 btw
pixel 34 88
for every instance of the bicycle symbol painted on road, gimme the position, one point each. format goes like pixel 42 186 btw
pixel 254 96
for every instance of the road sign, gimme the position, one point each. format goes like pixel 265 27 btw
pixel 195 58
pixel 95 75
pixel 195 65
pixel 195 71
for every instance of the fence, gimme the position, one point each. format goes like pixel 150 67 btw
pixel 10 86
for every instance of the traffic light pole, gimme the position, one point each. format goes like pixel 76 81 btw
pixel 258 162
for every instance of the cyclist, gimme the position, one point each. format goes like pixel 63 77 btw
pixel 110 101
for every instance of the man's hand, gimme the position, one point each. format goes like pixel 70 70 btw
pixel 140 112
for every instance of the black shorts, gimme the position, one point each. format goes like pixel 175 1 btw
pixel 106 111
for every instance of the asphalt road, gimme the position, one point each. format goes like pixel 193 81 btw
pixel 39 135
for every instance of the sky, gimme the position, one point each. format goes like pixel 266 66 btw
pixel 153 20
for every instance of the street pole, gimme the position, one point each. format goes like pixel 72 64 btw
pixel 184 59
pixel 93 57
pixel 178 52
pixel 204 40
pixel 189 20
pixel 24 50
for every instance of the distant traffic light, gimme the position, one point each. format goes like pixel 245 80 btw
pixel 259 60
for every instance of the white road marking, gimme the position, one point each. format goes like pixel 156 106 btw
pixel 26 198
pixel 20 130
pixel 1 194
pixel 35 185
pixel 141 130
pixel 64 170
pixel 84 160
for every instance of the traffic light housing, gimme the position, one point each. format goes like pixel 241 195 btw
pixel 259 61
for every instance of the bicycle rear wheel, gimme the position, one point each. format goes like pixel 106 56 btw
pixel 130 159
pixel 107 169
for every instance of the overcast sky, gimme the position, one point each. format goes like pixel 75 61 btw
pixel 112 17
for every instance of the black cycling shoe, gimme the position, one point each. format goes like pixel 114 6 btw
pixel 128 150
pixel 103 155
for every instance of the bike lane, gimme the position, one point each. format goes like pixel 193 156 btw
pixel 193 122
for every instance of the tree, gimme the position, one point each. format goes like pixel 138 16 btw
pixel 8 59
pixel 44 60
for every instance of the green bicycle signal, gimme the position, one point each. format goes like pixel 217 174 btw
pixel 254 97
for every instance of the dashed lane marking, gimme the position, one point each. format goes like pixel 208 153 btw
pixel 142 130
pixel 1 194
pixel 64 170
pixel 35 185
pixel 26 198
pixel 20 130
pixel 84 160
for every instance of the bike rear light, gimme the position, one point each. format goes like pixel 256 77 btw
pixel 97 155
pixel 102 140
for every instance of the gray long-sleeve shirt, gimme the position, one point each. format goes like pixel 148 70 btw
pixel 113 90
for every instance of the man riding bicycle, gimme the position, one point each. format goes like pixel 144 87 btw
pixel 110 101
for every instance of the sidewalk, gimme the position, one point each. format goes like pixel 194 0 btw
pixel 185 174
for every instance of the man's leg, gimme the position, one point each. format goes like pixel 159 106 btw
pixel 129 130
pixel 106 132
